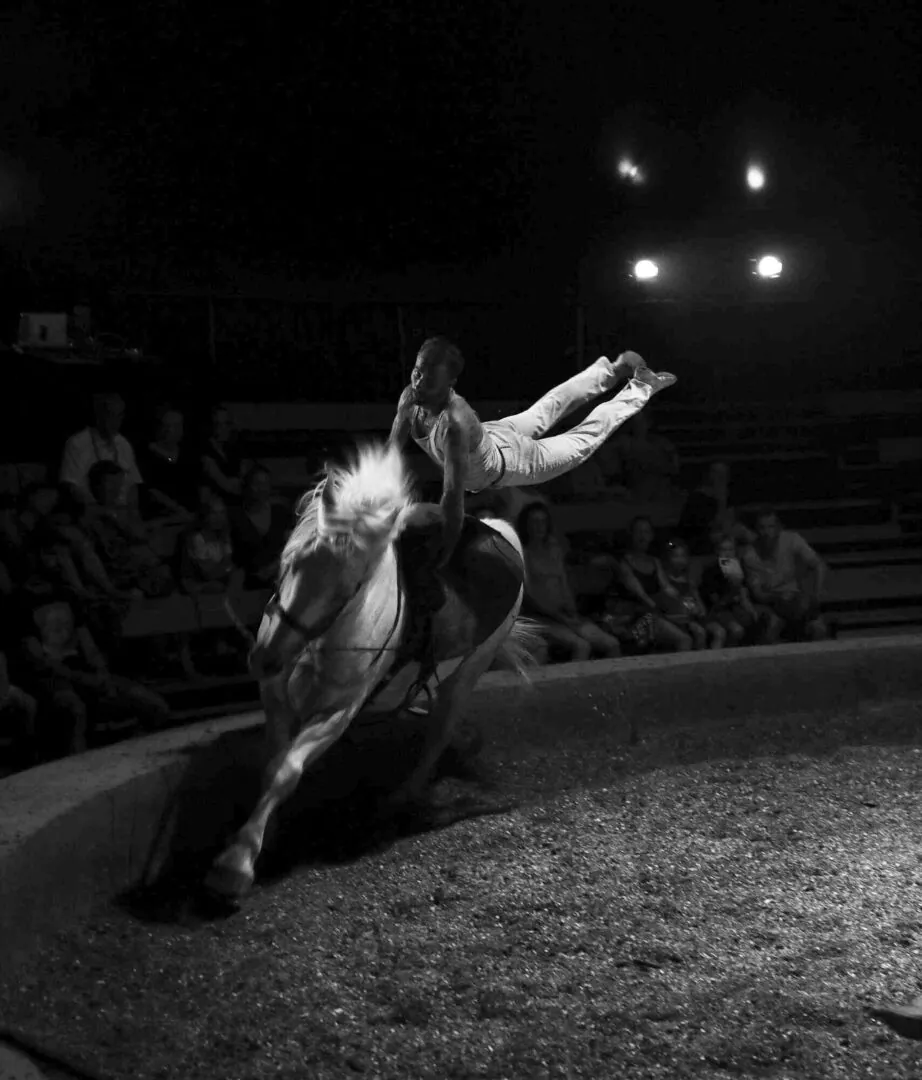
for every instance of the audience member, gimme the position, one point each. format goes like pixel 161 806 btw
pixel 548 596
pixel 102 441
pixel 707 513
pixel 121 538
pixel 639 578
pixel 18 711
pixel 649 463
pixel 259 528
pixel 221 460
pixel 171 477
pixel 207 558
pixel 723 586
pixel 41 547
pixel 786 575
pixel 76 691
pixel 685 608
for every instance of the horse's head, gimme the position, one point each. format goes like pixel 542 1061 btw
pixel 346 524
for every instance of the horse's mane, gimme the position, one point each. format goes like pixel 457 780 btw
pixel 359 502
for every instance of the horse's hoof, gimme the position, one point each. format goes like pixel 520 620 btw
pixel 227 882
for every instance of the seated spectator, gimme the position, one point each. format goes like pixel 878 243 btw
pixel 207 554
pixel 706 514
pixel 171 476
pixel 41 548
pixel 18 720
pixel 259 528
pixel 548 597
pixel 649 463
pixel 786 575
pixel 723 586
pixel 221 461
pixel 686 609
pixel 102 441
pixel 639 579
pixel 72 682
pixel 121 538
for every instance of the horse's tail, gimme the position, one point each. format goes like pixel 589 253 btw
pixel 521 648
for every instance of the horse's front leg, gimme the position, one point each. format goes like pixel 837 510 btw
pixel 232 872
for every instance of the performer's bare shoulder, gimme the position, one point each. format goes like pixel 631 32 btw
pixel 462 418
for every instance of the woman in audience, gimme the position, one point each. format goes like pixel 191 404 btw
pixel 259 528
pixel 639 578
pixel 221 461
pixel 548 597
pixel 121 538
pixel 170 476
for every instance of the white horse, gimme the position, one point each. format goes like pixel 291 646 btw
pixel 339 622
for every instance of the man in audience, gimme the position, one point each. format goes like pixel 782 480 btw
pixel 102 441
pixel 786 575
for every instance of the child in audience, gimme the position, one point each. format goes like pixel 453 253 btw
pixel 207 551
pixel 684 605
pixel 72 681
pixel 723 583
pixel 207 566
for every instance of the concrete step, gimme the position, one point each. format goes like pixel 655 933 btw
pixel 908 616
pixel 889 556
pixel 879 631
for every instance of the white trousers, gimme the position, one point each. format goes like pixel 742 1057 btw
pixel 531 459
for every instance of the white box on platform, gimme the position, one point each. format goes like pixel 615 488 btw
pixel 43 330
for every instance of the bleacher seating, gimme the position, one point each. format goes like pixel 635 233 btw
pixel 844 472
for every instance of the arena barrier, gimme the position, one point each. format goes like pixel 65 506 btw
pixel 85 828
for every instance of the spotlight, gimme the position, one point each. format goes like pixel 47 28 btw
pixel 646 270
pixel 769 266
pixel 755 178
pixel 627 170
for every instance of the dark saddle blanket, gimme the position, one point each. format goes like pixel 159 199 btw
pixel 484 574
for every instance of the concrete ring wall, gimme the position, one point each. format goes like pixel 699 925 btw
pixel 85 828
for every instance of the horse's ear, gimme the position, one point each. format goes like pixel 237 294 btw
pixel 326 496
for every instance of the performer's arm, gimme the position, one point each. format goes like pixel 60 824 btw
pixel 400 429
pixel 456 455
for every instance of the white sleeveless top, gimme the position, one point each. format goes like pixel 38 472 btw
pixel 484 465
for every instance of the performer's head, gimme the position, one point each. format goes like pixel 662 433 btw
pixel 438 365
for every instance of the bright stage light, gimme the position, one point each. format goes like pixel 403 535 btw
pixel 627 170
pixel 645 270
pixel 755 178
pixel 769 266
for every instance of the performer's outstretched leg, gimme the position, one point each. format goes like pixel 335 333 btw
pixel 597 379
pixel 535 461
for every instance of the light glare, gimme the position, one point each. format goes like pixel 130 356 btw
pixel 769 266
pixel 755 178
pixel 645 270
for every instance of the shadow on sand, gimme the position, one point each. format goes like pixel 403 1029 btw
pixel 333 817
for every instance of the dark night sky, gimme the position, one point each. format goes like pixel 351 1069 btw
pixel 386 135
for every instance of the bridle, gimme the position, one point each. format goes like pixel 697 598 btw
pixel 310 635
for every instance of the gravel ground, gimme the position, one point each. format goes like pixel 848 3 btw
pixel 717 900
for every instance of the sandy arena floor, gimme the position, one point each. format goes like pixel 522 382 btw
pixel 718 900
